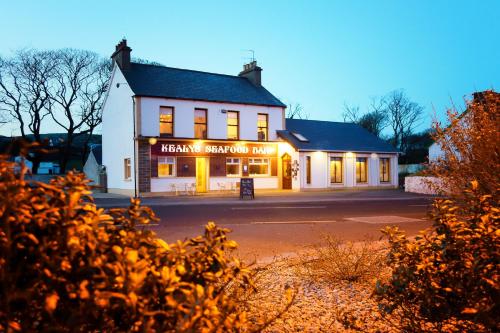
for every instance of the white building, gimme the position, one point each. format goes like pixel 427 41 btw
pixel 167 130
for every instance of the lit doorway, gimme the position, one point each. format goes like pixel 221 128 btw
pixel 201 174
pixel 286 172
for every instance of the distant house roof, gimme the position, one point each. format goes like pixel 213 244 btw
pixel 160 81
pixel 332 136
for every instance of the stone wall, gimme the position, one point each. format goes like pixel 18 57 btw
pixel 144 166
pixel 423 185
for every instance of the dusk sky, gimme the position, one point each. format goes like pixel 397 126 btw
pixel 320 54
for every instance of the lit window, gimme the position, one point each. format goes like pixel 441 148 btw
pixel 166 121
pixel 361 170
pixel 336 170
pixel 200 123
pixel 233 131
pixel 385 170
pixel 166 166
pixel 127 170
pixel 232 166
pixel 258 166
pixel 262 127
pixel 308 169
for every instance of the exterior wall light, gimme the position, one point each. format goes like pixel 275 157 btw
pixel 374 155
pixel 349 154
pixel 153 141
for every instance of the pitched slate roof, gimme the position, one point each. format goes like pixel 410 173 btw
pixel 161 81
pixel 332 136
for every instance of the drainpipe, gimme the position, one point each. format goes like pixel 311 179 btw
pixel 135 153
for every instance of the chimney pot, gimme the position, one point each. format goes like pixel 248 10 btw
pixel 121 56
pixel 252 72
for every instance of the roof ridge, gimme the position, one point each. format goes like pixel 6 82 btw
pixel 189 70
pixel 324 121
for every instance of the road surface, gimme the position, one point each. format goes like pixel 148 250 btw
pixel 273 227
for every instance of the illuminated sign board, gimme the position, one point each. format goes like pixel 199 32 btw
pixel 212 148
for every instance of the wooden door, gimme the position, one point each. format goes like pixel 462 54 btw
pixel 201 174
pixel 286 172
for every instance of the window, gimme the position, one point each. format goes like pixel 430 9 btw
pixel 232 167
pixel 262 127
pixel 336 170
pixel 166 121
pixel 308 169
pixel 166 166
pixel 258 166
pixel 233 125
pixel 127 170
pixel 200 123
pixel 299 137
pixel 385 170
pixel 361 170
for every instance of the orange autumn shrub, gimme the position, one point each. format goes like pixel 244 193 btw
pixel 447 279
pixel 68 266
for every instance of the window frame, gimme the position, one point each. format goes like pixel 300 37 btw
pixel 174 165
pixel 260 127
pixel 251 161
pixel 308 170
pixel 232 163
pixel 333 158
pixel 127 168
pixel 237 124
pixel 167 135
pixel 205 123
pixel 366 170
pixel 381 167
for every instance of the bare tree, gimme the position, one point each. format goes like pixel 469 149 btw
pixel 375 120
pixel 296 111
pixel 351 113
pixel 76 94
pixel 404 115
pixel 24 96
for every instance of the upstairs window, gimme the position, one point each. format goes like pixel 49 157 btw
pixel 361 170
pixel 200 123
pixel 233 125
pixel 166 121
pixel 385 170
pixel 262 127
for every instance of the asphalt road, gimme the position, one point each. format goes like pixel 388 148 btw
pixel 267 229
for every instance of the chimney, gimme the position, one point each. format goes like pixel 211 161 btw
pixel 252 72
pixel 122 55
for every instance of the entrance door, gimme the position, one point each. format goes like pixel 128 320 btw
pixel 201 174
pixel 286 174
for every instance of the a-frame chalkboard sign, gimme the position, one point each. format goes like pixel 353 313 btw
pixel 246 188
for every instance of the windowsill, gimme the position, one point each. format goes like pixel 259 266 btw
pixel 127 179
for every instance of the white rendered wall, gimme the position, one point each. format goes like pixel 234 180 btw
pixel 435 152
pixel 217 120
pixel 118 133
pixel 320 170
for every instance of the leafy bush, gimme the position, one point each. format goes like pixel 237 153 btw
pixel 344 261
pixel 67 266
pixel 447 279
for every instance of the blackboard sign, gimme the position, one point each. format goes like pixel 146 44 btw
pixel 246 188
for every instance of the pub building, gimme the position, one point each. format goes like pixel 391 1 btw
pixel 175 131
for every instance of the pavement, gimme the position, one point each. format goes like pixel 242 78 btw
pixel 284 223
pixel 225 198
